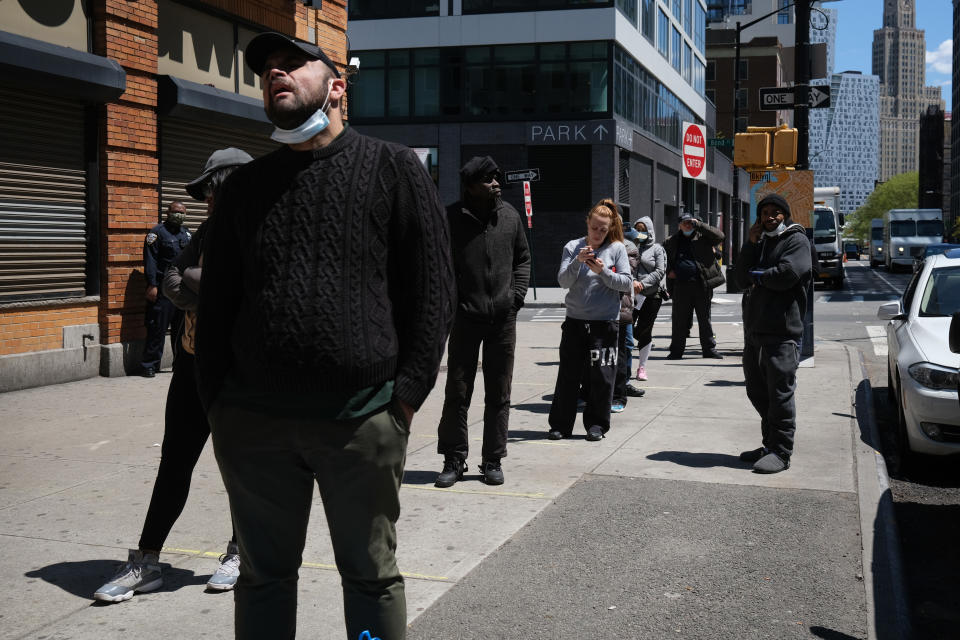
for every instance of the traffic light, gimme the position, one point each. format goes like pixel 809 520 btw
pixel 765 148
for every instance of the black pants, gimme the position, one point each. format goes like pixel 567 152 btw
pixel 499 340
pixel 590 345
pixel 185 432
pixel 770 371
pixel 623 365
pixel 160 316
pixel 643 321
pixel 688 297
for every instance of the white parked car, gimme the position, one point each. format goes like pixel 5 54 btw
pixel 922 372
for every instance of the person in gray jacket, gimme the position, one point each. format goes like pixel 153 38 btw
pixel 650 289
pixel 596 271
pixel 773 271
pixel 492 264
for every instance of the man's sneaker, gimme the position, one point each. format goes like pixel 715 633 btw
pixel 140 574
pixel 594 433
pixel 555 435
pixel 714 354
pixel 771 463
pixel 641 374
pixel 634 392
pixel 148 372
pixel 490 472
pixel 674 356
pixel 453 468
pixel 225 577
pixel 753 455
pixel 617 407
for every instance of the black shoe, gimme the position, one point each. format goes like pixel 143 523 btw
pixel 634 392
pixel 594 433
pixel 148 372
pixel 771 463
pixel 753 455
pixel 713 354
pixel 674 356
pixel 490 472
pixel 453 468
pixel 555 435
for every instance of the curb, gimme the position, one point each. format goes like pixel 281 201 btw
pixel 888 612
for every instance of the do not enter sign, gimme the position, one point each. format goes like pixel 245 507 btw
pixel 694 151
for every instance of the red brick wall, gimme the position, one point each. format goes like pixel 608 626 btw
pixel 27 330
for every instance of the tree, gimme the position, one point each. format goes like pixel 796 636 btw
pixel 899 192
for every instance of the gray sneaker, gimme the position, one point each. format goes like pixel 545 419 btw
pixel 225 577
pixel 141 573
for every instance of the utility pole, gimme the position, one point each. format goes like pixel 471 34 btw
pixel 801 121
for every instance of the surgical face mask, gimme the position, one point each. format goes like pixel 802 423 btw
pixel 642 236
pixel 175 218
pixel 777 231
pixel 310 127
pixel 688 233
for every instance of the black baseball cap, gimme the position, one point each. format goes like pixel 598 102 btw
pixel 263 44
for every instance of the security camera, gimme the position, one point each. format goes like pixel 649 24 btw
pixel 353 68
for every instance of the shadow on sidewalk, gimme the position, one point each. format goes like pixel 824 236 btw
pixel 83 578
pixel 830 634
pixel 699 460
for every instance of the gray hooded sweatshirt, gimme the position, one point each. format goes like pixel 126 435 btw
pixel 595 296
pixel 652 265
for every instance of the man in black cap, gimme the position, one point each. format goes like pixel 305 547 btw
pixel 326 299
pixel 492 264
pixel 773 271
pixel 161 247
pixel 692 275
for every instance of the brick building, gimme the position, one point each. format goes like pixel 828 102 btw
pixel 107 108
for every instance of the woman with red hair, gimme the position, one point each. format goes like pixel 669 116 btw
pixel 596 272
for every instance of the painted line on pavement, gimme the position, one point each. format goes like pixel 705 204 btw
pixel 507 494
pixel 878 337
pixel 312 565
pixel 889 284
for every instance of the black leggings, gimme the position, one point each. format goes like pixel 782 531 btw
pixel 643 320
pixel 185 432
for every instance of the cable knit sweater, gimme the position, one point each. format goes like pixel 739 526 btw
pixel 327 269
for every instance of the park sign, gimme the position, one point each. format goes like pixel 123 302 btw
pixel 694 151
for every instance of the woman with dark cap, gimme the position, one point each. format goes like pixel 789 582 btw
pixel 185 430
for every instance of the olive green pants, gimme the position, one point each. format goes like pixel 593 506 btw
pixel 269 465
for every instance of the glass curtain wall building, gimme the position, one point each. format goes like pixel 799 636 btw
pixel 592 93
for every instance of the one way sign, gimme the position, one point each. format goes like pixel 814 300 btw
pixel 777 98
pixel 522 175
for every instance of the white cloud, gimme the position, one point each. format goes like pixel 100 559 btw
pixel 946 83
pixel 941 60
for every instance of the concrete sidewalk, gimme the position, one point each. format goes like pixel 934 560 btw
pixel 656 529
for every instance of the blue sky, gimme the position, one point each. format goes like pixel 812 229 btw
pixel 857 19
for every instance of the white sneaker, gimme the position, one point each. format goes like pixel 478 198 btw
pixel 225 577
pixel 141 573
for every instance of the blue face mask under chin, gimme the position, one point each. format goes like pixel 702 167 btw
pixel 688 233
pixel 310 127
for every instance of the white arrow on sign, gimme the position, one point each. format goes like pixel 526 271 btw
pixel 600 130
pixel 818 96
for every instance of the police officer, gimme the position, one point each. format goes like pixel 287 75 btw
pixel 161 247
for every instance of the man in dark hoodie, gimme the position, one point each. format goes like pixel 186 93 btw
pixel 492 265
pixel 773 271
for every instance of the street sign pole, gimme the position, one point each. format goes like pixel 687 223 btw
pixel 801 121
pixel 528 209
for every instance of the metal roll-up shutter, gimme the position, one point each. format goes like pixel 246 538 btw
pixel 42 197
pixel 184 149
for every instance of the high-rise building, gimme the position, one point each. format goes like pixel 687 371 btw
pixel 592 94
pixel 930 162
pixel 724 14
pixel 823 29
pixel 899 57
pixel 846 156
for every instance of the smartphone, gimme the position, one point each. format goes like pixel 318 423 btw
pixel 757 273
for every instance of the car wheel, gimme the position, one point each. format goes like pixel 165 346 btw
pixel 838 283
pixel 891 390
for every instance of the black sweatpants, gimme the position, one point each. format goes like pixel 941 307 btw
pixel 185 432
pixel 591 345
pixel 770 371
pixel 688 297
pixel 160 316
pixel 643 320
pixel 499 340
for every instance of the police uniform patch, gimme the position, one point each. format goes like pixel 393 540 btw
pixel 151 238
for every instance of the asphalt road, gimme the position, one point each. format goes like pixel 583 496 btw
pixel 927 495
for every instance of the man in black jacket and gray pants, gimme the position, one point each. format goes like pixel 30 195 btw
pixel 492 265
pixel 773 271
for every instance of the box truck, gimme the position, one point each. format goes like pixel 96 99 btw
pixel 907 232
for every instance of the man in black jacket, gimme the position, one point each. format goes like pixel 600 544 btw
pixel 325 302
pixel 692 275
pixel 773 271
pixel 492 263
